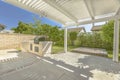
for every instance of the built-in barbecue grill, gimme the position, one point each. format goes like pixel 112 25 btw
pixel 37 39
pixel 38 45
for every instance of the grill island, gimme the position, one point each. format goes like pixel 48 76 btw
pixel 37 46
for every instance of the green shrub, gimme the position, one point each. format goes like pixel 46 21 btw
pixel 93 40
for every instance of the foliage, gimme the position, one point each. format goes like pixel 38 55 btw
pixel 60 42
pixel 14 29
pixel 93 40
pixel 107 33
pixel 2 27
pixel 103 39
pixel 23 28
pixel 37 27
pixel 110 54
pixel 73 37
pixel 52 33
pixel 57 49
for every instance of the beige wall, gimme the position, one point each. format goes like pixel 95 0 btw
pixel 10 41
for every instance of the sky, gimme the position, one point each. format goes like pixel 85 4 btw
pixel 11 15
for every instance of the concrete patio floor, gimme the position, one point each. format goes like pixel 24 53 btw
pixel 93 67
pixel 69 66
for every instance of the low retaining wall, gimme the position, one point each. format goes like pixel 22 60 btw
pixel 10 41
pixel 91 51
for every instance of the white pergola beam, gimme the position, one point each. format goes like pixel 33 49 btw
pixel 28 1
pixel 118 11
pixel 23 1
pixel 37 3
pixel 32 3
pixel 116 41
pixel 95 20
pixel 60 9
pixel 19 0
pixel 40 5
pixel 99 20
pixel 89 11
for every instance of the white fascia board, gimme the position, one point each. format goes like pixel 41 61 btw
pixel 95 20
pixel 100 20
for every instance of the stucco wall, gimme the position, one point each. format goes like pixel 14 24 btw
pixel 10 41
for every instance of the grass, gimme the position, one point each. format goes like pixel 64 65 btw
pixel 19 49
pixel 58 49
pixel 110 54
pixel 70 48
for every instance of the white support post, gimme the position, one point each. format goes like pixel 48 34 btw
pixel 93 24
pixel 65 40
pixel 116 41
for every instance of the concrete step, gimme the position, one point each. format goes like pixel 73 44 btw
pixel 8 59
pixel 91 51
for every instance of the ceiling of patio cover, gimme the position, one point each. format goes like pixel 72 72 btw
pixel 70 11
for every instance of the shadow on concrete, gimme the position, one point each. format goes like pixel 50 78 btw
pixel 79 73
pixel 101 63
pixel 94 63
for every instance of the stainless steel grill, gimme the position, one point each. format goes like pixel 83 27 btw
pixel 37 39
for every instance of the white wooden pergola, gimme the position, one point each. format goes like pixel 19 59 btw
pixel 76 12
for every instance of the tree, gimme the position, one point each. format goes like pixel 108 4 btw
pixel 13 28
pixel 45 29
pixel 23 28
pixel 73 37
pixel 54 34
pixel 60 42
pixel 37 26
pixel 2 27
pixel 107 33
